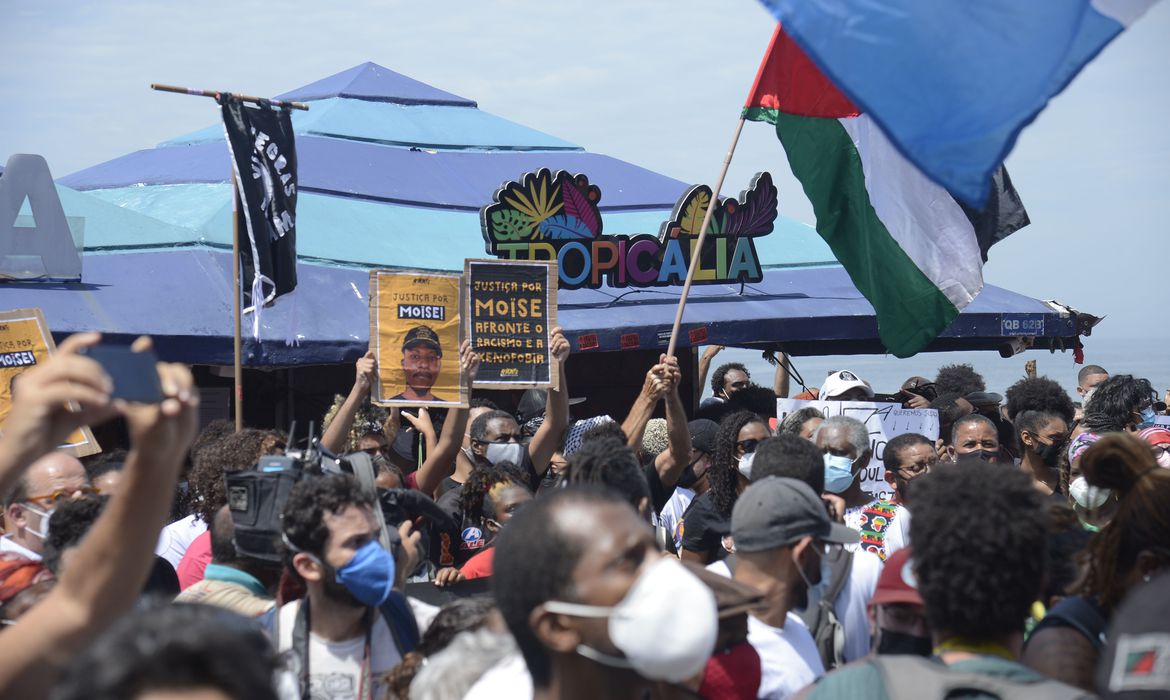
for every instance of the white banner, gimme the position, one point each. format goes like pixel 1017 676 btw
pixel 882 420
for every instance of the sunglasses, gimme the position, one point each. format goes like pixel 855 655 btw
pixel 62 495
pixel 748 446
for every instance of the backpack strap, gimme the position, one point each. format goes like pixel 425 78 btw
pixel 840 572
pixel 908 676
pixel 1080 614
pixel 400 619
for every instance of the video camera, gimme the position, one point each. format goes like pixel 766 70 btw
pixel 256 497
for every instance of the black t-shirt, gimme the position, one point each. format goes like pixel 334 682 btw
pixel 449 484
pixel 659 494
pixel 703 528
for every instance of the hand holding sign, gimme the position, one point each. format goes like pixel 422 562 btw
pixel 559 345
pixel 367 372
pixel 469 361
pixel 52 400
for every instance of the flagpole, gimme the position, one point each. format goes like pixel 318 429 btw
pixel 237 358
pixel 237 363
pixel 682 302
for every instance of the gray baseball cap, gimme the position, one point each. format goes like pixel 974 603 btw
pixel 777 511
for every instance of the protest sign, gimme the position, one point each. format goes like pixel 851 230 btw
pixel 25 342
pixel 415 334
pixel 511 311
pixel 882 420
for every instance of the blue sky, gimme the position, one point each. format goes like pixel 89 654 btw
pixel 655 83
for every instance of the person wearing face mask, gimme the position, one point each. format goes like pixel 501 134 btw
pixel 603 615
pixel 489 498
pixel 1042 436
pixel 847 452
pixel 354 624
pixel 782 532
pixel 28 506
pixel 694 481
pixel 1159 440
pixel 974 436
pixel 707 520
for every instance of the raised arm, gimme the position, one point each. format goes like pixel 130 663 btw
pixel 336 433
pixel 672 461
pixel 51 401
pixel 634 426
pixel 556 410
pixel 440 462
pixel 111 565
pixel 780 383
pixel 709 354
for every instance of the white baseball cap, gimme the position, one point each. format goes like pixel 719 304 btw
pixel 842 381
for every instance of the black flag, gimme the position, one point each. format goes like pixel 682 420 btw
pixel 1002 216
pixel 264 157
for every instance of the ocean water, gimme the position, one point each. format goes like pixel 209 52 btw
pixel 1145 357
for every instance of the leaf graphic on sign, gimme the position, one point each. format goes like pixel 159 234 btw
pixel 694 212
pixel 561 226
pixel 578 206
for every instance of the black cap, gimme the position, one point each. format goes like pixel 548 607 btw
pixel 777 511
pixel 703 434
pixel 422 335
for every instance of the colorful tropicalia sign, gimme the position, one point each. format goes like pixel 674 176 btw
pixel 543 216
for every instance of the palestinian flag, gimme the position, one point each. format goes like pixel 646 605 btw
pixel 910 248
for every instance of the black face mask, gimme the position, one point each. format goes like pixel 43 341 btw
pixel 688 478
pixel 985 455
pixel 891 642
pixel 1049 454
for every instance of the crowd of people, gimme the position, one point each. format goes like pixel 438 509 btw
pixel 529 551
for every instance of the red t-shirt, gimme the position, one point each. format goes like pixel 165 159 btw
pixel 194 561
pixel 480 565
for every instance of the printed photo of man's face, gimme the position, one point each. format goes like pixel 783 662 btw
pixel 422 364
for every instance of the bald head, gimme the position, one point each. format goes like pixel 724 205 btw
pixel 54 472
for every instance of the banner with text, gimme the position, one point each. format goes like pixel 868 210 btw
pixel 415 334
pixel 511 311
pixel 882 420
pixel 25 342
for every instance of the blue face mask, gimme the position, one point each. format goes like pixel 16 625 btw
pixel 838 473
pixel 369 576
pixel 1148 417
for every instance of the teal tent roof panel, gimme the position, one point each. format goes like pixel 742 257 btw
pixel 427 126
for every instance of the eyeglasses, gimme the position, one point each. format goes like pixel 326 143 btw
pixel 1160 450
pixel 62 495
pixel 914 469
pixel 748 446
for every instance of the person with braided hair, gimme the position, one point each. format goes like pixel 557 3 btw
pixel 708 520
pixel 490 496
pixel 1127 552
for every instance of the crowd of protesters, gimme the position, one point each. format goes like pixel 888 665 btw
pixel 533 551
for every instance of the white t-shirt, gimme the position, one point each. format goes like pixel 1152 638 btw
pixel 672 513
pixel 335 668
pixel 175 538
pixel 508 679
pixel 899 535
pixel 788 657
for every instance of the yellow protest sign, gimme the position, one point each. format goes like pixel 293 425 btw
pixel 415 334
pixel 25 342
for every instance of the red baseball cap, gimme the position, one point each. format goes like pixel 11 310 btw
pixel 897 583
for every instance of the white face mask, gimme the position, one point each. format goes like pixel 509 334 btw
pixel 42 530
pixel 1088 496
pixel 658 641
pixel 745 465
pixel 506 452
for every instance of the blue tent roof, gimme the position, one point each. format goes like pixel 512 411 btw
pixel 393 173
pixel 812 311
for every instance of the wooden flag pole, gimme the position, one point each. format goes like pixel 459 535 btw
pixel 682 302
pixel 237 358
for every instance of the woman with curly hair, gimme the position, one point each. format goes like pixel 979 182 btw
pixel 1127 552
pixel 490 496
pixel 1120 403
pixel 708 520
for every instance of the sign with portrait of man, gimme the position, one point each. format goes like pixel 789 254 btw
pixel 415 332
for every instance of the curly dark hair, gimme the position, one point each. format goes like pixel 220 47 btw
pixel 69 523
pixel 105 462
pixel 303 519
pixel 791 456
pixel 758 399
pixel 949 411
pixel 1114 401
pixel 609 462
pixel 231 453
pixel 978 582
pixel 536 534
pixel 174 647
pixel 457 616
pixel 958 379
pixel 723 474
pixel 474 492
pixel 1124 463
pixel 892 455
pixel 720 374
pixel 1039 394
